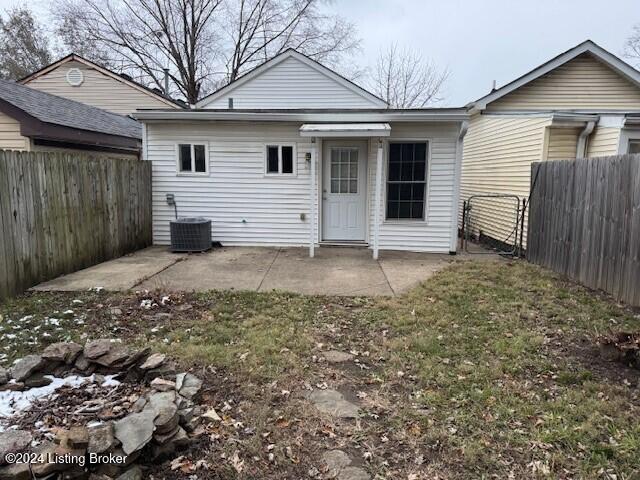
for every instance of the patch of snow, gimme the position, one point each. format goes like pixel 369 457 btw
pixel 15 402
pixel 147 304
pixel 55 321
pixel 77 301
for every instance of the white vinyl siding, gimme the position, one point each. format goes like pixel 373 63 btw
pixel 498 152
pixel 248 207
pixel 245 207
pixel 433 234
pixel 97 89
pixel 10 138
pixel 603 141
pixel 291 84
pixel 562 143
pixel 582 83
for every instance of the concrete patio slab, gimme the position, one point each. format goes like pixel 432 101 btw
pixel 219 269
pixel 120 274
pixel 405 270
pixel 333 271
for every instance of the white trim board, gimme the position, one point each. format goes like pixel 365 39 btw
pixel 618 65
pixel 259 70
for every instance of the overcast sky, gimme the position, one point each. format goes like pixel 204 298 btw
pixel 481 40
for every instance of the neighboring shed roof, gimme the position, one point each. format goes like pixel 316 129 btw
pixel 119 77
pixel 68 113
pixel 588 46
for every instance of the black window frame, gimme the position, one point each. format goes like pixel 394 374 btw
pixel 400 184
pixel 192 158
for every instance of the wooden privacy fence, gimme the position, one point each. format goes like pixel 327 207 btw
pixel 584 222
pixel 62 212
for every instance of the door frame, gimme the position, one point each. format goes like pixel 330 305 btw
pixel 365 143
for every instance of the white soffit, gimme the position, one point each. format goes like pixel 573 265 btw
pixel 345 130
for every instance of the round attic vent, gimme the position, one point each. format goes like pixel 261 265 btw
pixel 74 77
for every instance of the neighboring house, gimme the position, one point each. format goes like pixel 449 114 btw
pixel 293 154
pixel 583 103
pixel 35 121
pixel 84 81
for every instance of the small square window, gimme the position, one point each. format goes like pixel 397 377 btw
pixel 280 160
pixel 192 158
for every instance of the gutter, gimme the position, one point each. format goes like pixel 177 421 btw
pixel 453 115
pixel 581 150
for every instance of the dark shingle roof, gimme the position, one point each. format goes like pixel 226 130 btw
pixel 62 111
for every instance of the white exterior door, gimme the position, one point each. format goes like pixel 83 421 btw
pixel 344 183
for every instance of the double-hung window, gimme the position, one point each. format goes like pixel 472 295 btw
pixel 192 158
pixel 280 159
pixel 407 181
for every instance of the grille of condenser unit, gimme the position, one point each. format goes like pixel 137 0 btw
pixel 190 234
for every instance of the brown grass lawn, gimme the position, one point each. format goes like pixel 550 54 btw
pixel 488 370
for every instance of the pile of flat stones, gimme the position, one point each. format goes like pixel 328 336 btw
pixel 164 419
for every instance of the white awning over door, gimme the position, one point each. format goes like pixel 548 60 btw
pixel 324 130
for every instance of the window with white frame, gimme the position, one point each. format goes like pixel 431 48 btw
pixel 280 159
pixel 634 146
pixel 407 181
pixel 192 158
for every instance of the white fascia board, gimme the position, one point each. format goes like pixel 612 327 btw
pixel 453 115
pixel 598 52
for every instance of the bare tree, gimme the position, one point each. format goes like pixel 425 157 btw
pixel 71 38
pixel 404 79
pixel 632 45
pixel 144 37
pixel 257 30
pixel 23 45
pixel 204 43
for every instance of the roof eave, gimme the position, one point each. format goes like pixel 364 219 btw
pixel 33 127
pixel 587 46
pixel 452 115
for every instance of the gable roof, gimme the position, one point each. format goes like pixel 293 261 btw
pixel 74 57
pixel 291 53
pixel 21 101
pixel 588 46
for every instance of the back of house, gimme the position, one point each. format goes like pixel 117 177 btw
pixel 583 103
pixel 82 80
pixel 293 154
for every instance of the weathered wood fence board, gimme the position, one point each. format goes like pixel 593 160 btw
pixel 584 222
pixel 63 212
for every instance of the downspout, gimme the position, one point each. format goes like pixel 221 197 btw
pixel 581 150
pixel 464 126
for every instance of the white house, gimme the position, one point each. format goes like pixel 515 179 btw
pixel 293 154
